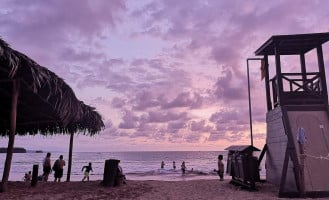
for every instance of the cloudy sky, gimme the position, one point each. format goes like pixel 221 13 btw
pixel 164 74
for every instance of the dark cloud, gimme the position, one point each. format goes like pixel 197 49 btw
pixel 166 116
pixel 185 99
pixel 47 22
pixel 118 102
pixel 144 100
pixel 174 127
pixel 200 126
pixel 228 89
pixel 130 120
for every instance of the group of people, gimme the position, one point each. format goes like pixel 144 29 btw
pixel 183 166
pixel 59 164
pixel 57 168
pixel 220 170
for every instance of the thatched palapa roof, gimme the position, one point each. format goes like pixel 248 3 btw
pixel 46 104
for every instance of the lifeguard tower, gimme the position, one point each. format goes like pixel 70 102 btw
pixel 297 165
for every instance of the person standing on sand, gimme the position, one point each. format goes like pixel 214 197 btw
pixel 162 164
pixel 183 167
pixel 87 168
pixel 220 168
pixel 174 164
pixel 46 167
pixel 59 168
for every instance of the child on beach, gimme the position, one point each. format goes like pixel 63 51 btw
pixel 174 164
pixel 220 168
pixel 87 168
pixel 162 164
pixel 120 178
pixel 28 176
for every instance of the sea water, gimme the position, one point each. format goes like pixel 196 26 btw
pixel 136 165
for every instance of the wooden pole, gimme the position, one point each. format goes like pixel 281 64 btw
pixel 34 180
pixel 278 75
pixel 302 161
pixel 322 74
pixel 13 117
pixel 70 157
pixel 267 84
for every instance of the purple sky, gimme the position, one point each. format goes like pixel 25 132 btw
pixel 164 74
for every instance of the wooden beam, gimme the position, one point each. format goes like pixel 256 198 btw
pixel 292 149
pixel 278 74
pixel 322 74
pixel 262 155
pixel 284 172
pixel 267 84
pixel 303 67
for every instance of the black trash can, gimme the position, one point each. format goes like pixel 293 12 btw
pixel 110 172
pixel 242 165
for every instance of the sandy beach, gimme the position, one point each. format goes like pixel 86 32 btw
pixel 196 189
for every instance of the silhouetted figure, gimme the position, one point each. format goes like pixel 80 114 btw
pixel 87 169
pixel 46 167
pixel 220 168
pixel 183 167
pixel 58 167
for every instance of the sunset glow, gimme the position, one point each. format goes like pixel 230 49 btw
pixel 164 74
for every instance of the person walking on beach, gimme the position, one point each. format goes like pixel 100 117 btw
pixel 87 168
pixel 58 168
pixel 174 164
pixel 220 167
pixel 162 164
pixel 46 167
pixel 183 167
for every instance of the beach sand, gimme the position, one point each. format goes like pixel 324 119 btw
pixel 194 189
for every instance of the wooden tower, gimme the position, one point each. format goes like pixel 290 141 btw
pixel 297 100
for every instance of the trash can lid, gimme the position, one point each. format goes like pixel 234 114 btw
pixel 242 148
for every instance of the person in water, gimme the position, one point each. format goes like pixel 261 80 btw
pixel 162 164
pixel 183 167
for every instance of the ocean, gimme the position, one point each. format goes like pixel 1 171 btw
pixel 145 165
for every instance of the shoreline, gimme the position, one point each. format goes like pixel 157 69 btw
pixel 136 189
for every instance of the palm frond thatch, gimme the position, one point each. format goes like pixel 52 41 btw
pixel 47 105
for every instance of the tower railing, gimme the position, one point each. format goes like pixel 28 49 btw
pixel 298 88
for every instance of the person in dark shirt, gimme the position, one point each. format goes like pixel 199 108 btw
pixel 220 168
pixel 87 169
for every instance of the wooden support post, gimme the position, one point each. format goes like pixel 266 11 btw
pixel 302 176
pixel 34 180
pixel 267 84
pixel 262 155
pixel 303 67
pixel 13 117
pixel 284 173
pixel 278 75
pixel 70 158
pixel 322 74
